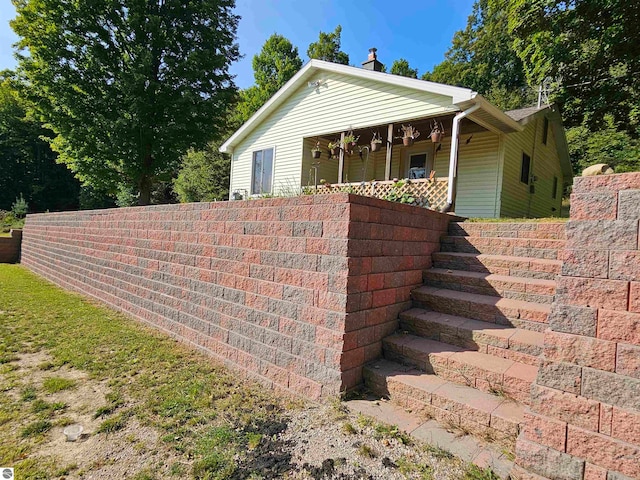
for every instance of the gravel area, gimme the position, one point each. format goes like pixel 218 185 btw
pixel 328 441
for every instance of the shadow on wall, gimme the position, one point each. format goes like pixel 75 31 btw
pixel 10 247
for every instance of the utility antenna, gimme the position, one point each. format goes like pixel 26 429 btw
pixel 543 91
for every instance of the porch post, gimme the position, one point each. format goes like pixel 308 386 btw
pixel 387 168
pixel 341 159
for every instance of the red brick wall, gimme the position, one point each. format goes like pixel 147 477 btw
pixel 10 247
pixel 298 292
pixel 585 415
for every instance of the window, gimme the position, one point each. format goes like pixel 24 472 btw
pixel 554 192
pixel 545 130
pixel 418 166
pixel 526 166
pixel 262 171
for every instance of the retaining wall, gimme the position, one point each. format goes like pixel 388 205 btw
pixel 298 292
pixel 10 247
pixel 584 421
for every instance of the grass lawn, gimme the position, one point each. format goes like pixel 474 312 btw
pixel 152 408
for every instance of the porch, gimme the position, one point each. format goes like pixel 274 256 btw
pixel 419 172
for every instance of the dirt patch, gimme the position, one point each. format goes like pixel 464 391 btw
pixel 121 454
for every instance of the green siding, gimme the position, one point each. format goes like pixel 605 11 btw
pixel 545 165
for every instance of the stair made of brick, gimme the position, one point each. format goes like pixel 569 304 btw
pixel 468 352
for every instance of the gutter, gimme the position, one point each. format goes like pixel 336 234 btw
pixel 453 158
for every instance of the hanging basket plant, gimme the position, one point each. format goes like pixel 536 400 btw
pixel 376 142
pixel 437 132
pixel 334 148
pixel 409 134
pixel 316 151
pixel 349 143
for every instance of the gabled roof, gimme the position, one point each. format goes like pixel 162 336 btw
pixel 462 98
pixel 551 111
pixel 522 113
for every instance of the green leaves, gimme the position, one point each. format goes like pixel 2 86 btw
pixel 482 58
pixel 401 67
pixel 327 48
pixel 128 86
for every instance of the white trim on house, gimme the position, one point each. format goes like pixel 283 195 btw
pixel 461 98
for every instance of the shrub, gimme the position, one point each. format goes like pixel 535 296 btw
pixel 20 207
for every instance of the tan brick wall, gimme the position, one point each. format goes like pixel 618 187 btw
pixel 297 292
pixel 584 421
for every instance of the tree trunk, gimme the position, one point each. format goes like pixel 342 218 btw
pixel 144 197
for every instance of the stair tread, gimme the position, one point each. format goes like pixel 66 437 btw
pixel 458 356
pixel 483 299
pixel 504 332
pixel 488 403
pixel 506 258
pixel 493 276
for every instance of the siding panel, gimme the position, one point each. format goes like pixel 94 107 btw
pixel 545 164
pixel 342 102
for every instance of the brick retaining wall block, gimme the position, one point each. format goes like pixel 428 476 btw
pixel 10 247
pixel 584 421
pixel 297 292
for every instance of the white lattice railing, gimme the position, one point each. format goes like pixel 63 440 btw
pixel 427 193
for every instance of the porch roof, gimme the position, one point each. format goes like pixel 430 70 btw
pixel 488 115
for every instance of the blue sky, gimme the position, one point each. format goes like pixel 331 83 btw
pixel 419 31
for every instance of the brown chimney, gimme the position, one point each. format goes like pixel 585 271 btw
pixel 372 62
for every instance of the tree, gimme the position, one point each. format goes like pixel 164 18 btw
pixel 204 176
pixel 327 48
pixel 606 145
pixel 482 58
pixel 276 63
pixel 28 165
pixel 128 86
pixel 591 48
pixel 401 67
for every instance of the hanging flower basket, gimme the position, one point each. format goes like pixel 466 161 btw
pixel 376 142
pixel 409 134
pixel 437 132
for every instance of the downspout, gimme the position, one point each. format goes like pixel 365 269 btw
pixel 453 158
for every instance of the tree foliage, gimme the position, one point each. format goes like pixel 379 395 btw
pixel 128 86
pixel 276 63
pixel 591 51
pixel 401 67
pixel 204 176
pixel 591 48
pixel 327 48
pixel 482 58
pixel 27 164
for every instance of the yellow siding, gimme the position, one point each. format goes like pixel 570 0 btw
pixel 477 175
pixel 545 164
pixel 339 103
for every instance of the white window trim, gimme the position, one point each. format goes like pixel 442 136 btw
pixel 273 171
pixel 418 151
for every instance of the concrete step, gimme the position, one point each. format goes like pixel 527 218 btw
pixel 506 286
pixel 474 369
pixel 503 311
pixel 457 407
pixel 533 229
pixel 466 447
pixel 519 247
pixel 498 264
pixel 503 341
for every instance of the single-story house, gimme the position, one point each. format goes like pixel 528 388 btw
pixel 488 163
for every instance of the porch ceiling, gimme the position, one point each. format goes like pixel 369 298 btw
pixel 423 125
